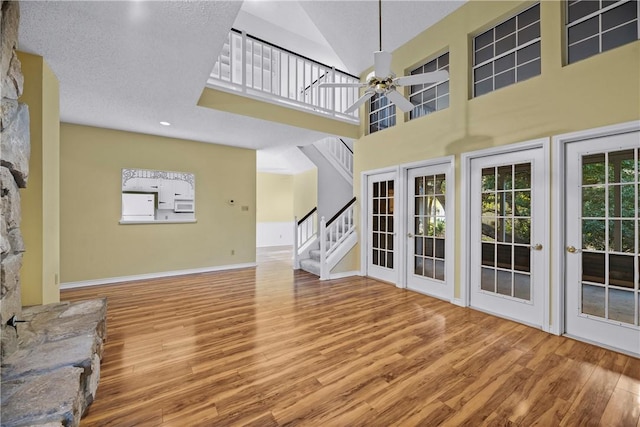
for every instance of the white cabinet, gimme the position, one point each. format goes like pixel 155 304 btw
pixel 138 207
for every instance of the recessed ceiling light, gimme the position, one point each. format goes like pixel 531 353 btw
pixel 165 123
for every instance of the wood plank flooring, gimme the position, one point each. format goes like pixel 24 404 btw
pixel 272 347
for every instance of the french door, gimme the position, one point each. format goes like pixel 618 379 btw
pixel 427 230
pixel 602 234
pixel 381 239
pixel 508 235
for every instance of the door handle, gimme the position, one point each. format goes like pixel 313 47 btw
pixel 572 249
pixel 536 247
pixel 410 235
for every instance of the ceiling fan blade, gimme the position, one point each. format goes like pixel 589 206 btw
pixel 401 102
pixel 382 64
pixel 342 84
pixel 417 79
pixel 364 98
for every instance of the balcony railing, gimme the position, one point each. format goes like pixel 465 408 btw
pixel 260 69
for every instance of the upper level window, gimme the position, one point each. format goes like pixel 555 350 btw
pixel 430 97
pixel 594 26
pixel 382 113
pixel 507 53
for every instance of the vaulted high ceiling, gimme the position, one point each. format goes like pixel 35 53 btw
pixel 130 64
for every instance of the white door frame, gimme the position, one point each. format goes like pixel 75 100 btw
pixel 558 199
pixel 465 222
pixel 450 234
pixel 364 219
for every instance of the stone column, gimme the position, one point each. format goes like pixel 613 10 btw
pixel 14 172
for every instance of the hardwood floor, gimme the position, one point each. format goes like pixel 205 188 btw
pixel 270 347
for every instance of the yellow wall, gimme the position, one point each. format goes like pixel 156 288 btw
pixel 274 197
pixel 305 192
pixel 95 246
pixel 40 200
pixel 597 91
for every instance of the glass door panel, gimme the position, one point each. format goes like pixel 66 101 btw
pixel 603 239
pixel 508 194
pixel 381 240
pixel 506 230
pixel 427 230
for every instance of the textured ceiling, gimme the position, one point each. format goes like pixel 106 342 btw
pixel 130 64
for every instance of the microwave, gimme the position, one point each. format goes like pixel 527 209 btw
pixel 184 205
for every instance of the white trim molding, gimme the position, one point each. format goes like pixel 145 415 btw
pixel 147 276
pixel 344 274
pixel 558 178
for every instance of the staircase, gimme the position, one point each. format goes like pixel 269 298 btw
pixel 319 244
pixel 312 264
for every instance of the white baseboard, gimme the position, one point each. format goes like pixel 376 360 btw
pixel 110 280
pixel 458 302
pixel 344 274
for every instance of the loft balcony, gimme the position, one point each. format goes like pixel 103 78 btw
pixel 258 69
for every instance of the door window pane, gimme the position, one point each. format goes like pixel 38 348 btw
pixel 506 219
pixel 522 286
pixel 593 300
pixel 487 279
pixel 621 306
pixel 610 235
pixel 593 234
pixel 621 270
pixel 429 220
pixel 382 217
pixel 504 282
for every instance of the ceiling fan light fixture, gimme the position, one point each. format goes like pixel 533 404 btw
pixel 383 81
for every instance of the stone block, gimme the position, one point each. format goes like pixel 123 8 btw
pixel 56 322
pixel 5 246
pixel 15 145
pixel 11 207
pixel 44 399
pixel 57 364
pixel 49 356
pixel 16 242
pixel 8 110
pixel 11 301
pixel 13 81
pixel 10 288
pixel 9 342
pixel 9 23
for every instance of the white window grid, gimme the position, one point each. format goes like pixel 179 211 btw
pixel 430 97
pixel 519 48
pixel 604 7
pixel 382 113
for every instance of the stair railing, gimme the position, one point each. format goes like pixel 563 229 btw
pixel 342 154
pixel 258 68
pixel 333 233
pixel 339 154
pixel 304 231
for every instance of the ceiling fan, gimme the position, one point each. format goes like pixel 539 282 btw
pixel 383 81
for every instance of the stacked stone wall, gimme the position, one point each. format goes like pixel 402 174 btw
pixel 14 173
